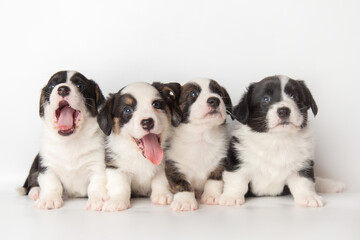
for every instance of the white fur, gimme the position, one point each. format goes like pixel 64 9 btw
pixel 75 164
pixel 136 174
pixel 273 159
pixel 198 146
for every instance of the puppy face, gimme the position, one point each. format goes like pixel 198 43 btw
pixel 143 113
pixel 67 100
pixel 204 101
pixel 276 104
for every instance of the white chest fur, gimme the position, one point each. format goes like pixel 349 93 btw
pixel 269 158
pixel 197 152
pixel 74 158
pixel 130 161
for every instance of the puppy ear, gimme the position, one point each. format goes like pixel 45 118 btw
pixel 242 110
pixel 171 93
pixel 41 103
pixel 227 101
pixel 105 118
pixel 309 102
pixel 99 97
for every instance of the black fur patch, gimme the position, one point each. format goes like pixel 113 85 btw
pixel 217 173
pixel 302 97
pixel 232 161
pixel 113 115
pixel 308 171
pixel 186 99
pixel 217 89
pixel 32 179
pixel 176 179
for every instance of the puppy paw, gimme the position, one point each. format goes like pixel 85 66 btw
pixel 232 199
pixel 210 199
pixel 310 201
pixel 49 202
pixel 164 198
pixel 95 204
pixel 184 201
pixel 34 193
pixel 116 204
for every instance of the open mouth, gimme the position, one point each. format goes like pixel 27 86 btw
pixel 150 147
pixel 66 118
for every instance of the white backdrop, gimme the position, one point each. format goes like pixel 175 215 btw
pixel 234 42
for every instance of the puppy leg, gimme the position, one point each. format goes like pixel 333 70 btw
pixel 119 190
pixel 160 193
pixel 34 193
pixel 303 191
pixel 235 188
pixel 51 191
pixel 212 192
pixel 97 191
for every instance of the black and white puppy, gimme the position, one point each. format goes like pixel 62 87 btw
pixel 137 121
pixel 272 148
pixel 194 158
pixel 71 161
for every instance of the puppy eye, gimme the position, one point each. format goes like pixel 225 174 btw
pixel 128 110
pixel 194 93
pixel 51 86
pixel 156 104
pixel 78 85
pixel 293 96
pixel 266 99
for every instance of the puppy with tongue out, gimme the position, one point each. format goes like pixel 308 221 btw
pixel 138 121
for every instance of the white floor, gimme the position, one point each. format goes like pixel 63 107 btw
pixel 259 218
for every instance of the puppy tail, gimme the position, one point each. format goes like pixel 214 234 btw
pixel 21 190
pixel 325 185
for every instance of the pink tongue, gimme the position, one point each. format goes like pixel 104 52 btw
pixel 152 149
pixel 66 120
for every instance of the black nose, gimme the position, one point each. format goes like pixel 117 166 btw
pixel 283 112
pixel 213 102
pixel 63 91
pixel 147 124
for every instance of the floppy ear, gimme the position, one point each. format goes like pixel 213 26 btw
pixel 105 118
pixel 309 102
pixel 99 97
pixel 171 93
pixel 41 103
pixel 227 100
pixel 242 110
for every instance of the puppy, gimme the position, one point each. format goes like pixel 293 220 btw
pixel 137 121
pixel 71 161
pixel 194 158
pixel 272 148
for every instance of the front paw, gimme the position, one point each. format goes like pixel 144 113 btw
pixel 34 193
pixel 310 201
pixel 49 202
pixel 116 204
pixel 95 204
pixel 164 198
pixel 210 199
pixel 232 199
pixel 184 201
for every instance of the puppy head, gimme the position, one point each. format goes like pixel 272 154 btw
pixel 143 113
pixel 276 104
pixel 203 101
pixel 67 100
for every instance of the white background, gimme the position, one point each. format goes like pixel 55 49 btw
pixel 234 42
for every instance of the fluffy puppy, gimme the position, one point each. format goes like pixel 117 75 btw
pixel 137 121
pixel 272 149
pixel 71 161
pixel 195 155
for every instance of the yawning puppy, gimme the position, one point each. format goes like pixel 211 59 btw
pixel 71 161
pixel 137 121
pixel 272 149
pixel 194 158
